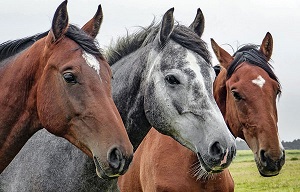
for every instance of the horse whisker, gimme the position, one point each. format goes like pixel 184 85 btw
pixel 200 173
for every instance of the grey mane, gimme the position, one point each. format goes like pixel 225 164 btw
pixel 181 34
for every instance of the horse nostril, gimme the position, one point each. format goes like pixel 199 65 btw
pixel 115 158
pixel 217 151
pixel 263 157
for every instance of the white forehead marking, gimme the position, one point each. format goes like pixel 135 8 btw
pixel 91 61
pixel 259 81
pixel 193 64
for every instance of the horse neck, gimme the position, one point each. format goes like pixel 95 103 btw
pixel 128 95
pixel 19 119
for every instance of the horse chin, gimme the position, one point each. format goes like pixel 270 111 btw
pixel 264 170
pixel 208 168
pixel 101 172
pixel 201 171
pixel 266 173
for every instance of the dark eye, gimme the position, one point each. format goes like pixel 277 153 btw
pixel 69 77
pixel 236 95
pixel 171 79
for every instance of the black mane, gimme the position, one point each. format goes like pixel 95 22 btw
pixel 182 35
pixel 10 48
pixel 88 44
pixel 250 53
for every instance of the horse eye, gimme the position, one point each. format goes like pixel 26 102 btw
pixel 69 77
pixel 171 79
pixel 236 96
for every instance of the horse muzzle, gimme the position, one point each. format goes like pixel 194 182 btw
pixel 116 164
pixel 218 158
pixel 267 166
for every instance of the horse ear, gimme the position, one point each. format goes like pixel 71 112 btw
pixel 267 46
pixel 92 26
pixel 166 27
pixel 223 56
pixel 198 24
pixel 60 22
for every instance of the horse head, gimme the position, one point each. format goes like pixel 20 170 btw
pixel 179 99
pixel 246 90
pixel 74 98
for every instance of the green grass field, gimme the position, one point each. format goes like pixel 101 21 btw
pixel 247 178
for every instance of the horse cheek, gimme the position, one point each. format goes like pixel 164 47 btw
pixel 50 106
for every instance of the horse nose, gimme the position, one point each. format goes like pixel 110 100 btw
pixel 271 165
pixel 117 161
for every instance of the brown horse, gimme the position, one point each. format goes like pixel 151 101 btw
pixel 162 164
pixel 62 82
pixel 246 91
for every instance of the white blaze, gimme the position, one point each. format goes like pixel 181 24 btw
pixel 193 64
pixel 259 81
pixel 91 61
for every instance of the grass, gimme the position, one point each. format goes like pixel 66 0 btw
pixel 247 178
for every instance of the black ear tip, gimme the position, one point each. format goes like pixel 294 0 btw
pixel 99 8
pixel 169 13
pixel 171 10
pixel 99 11
pixel 62 6
pixel 268 37
pixel 60 20
pixel 64 3
pixel 200 14
pixel 212 42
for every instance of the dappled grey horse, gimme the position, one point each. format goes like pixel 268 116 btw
pixel 162 78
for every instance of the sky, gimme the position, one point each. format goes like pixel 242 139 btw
pixel 229 22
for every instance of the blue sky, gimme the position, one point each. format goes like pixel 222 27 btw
pixel 228 22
